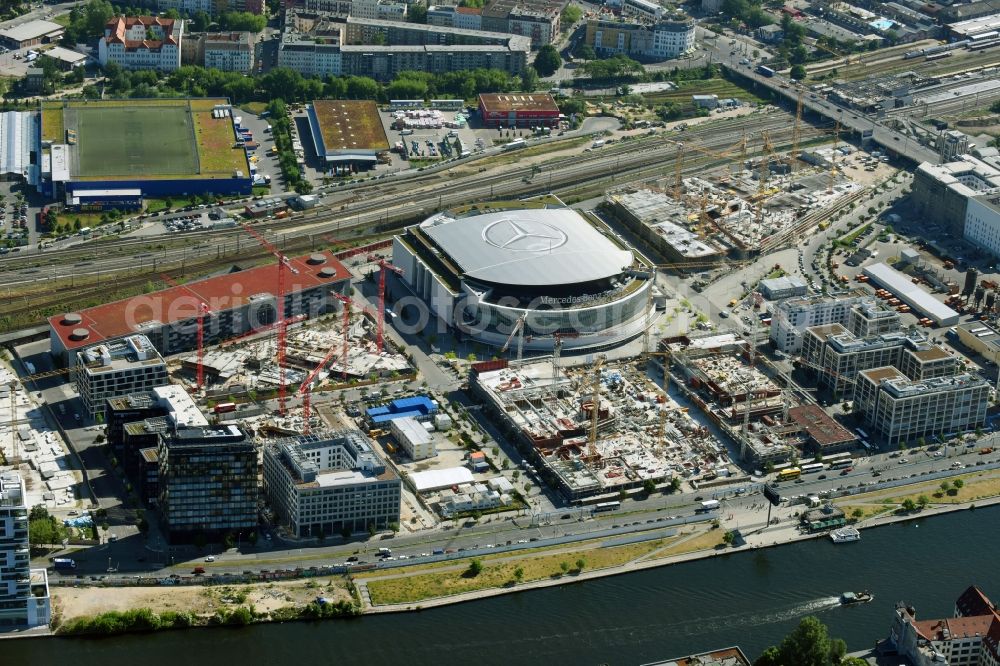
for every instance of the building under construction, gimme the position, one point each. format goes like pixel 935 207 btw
pixel 598 429
pixel 750 206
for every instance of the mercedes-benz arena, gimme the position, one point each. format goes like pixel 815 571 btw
pixel 483 270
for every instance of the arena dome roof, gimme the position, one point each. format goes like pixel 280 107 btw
pixel 528 247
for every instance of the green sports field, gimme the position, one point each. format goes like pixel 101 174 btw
pixel 134 141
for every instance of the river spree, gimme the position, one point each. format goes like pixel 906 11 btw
pixel 747 598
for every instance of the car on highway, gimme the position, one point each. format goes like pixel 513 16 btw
pixel 902 461
pixel 210 558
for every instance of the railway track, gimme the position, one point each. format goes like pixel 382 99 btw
pixel 568 174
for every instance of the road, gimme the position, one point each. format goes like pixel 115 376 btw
pixel 849 119
pixel 133 555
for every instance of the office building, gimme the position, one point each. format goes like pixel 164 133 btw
pixel 117 367
pixel 142 42
pixel 868 318
pixel 941 192
pixel 238 302
pixel 208 483
pixel 665 39
pixel 24 592
pixel 982 222
pixel 646 10
pixel 838 356
pixel 790 318
pixel 900 409
pixel 330 483
pixel 413 438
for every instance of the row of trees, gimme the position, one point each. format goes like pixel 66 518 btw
pixel 281 131
pixel 289 85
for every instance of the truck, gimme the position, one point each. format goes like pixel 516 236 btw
pixel 251 146
pixel 63 563
pixel 384 552
pixel 515 144
pixel 709 505
pixel 764 70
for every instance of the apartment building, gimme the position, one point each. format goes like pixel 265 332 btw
pixel 24 592
pixel 117 367
pixel 330 483
pixel 142 42
pixel 228 51
pixel 314 44
pixel 665 39
pixel 212 7
pixel 448 16
pixel 900 409
pixel 790 318
pixel 941 192
pixel 207 482
pixel 645 10
pixel 971 637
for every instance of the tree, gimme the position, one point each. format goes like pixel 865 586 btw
pixel 675 485
pixel 809 644
pixel 548 61
pixel 798 72
pixel 857 514
pixel 475 568
pixel 908 505
pixel 958 483
pixel 945 486
pixel 570 15
pixel 580 564
pixel 923 501
pixel 586 52
pixel 519 574
pixel 564 566
pixel 529 79
pixel 729 537
pixel 417 13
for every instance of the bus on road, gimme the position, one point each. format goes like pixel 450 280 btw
pixel 607 506
pixel 790 473
pixel 812 468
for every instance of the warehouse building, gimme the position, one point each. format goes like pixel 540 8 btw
pixel 116 368
pixel 330 483
pixel 31 33
pixel 237 302
pixel 484 269
pixel 900 409
pixel 982 337
pixel 347 132
pixel 518 110
pixel 825 435
pixel 413 438
pixel 913 295
pixel 786 286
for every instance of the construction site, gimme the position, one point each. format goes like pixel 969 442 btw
pixel 599 429
pixel 737 396
pixel 746 206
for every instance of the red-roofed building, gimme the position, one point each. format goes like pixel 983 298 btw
pixel 142 42
pixel 968 639
pixel 237 302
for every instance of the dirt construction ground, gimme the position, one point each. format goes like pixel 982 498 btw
pixel 71 602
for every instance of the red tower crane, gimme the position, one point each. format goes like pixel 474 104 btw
pixel 383 267
pixel 305 390
pixel 283 264
pixel 202 311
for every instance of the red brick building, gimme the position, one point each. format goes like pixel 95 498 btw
pixel 518 110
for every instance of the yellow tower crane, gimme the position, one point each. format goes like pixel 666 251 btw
pixel 595 408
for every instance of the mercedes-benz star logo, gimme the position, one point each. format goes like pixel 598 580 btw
pixel 523 236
